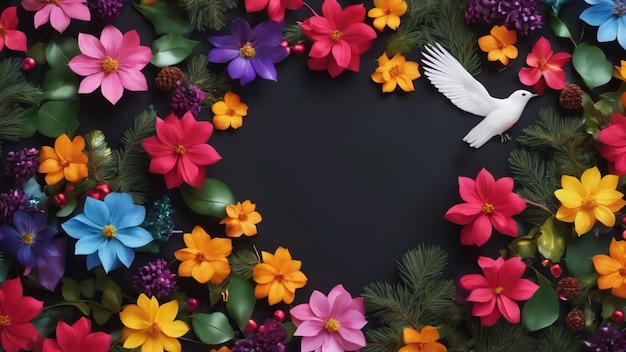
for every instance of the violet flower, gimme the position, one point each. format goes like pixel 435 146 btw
pixel 29 238
pixel 270 337
pixel 10 202
pixel 21 165
pixel 251 52
pixel 155 279
pixel 607 339
pixel 521 15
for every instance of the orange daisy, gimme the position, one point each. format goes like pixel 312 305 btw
pixel 204 259
pixel 278 277
pixel 65 161
pixel 229 112
pixel 499 44
pixel 241 219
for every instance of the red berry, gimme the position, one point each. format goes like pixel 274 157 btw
pixel 252 326
pixel 624 234
pixel 556 270
pixel 617 316
pixel 28 63
pixel 103 188
pixel 279 315
pixel 624 219
pixel 192 304
pixel 60 199
pixel 299 48
pixel 545 262
pixel 284 43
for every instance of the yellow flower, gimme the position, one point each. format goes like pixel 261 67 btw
pixel 229 112
pixel 241 219
pixel 590 199
pixel 499 44
pixel 612 269
pixel 204 259
pixel 387 13
pixel 423 340
pixel 278 277
pixel 396 71
pixel 151 326
pixel 65 161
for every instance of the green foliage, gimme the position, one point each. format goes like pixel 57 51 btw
pixel 15 92
pixel 100 156
pixel 558 339
pixel 208 14
pixel 214 85
pixel 293 34
pixel 422 297
pixel 171 49
pixel 241 301
pixel 542 309
pixel 501 337
pixel 242 262
pixel 213 328
pixel 211 199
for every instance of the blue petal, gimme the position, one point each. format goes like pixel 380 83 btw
pixel 597 15
pixel 125 255
pixel 39 222
pixel 46 234
pixel 89 244
pixel 621 31
pixel 607 32
pixel 93 261
pixel 610 3
pixel 123 212
pixel 241 31
pixel 76 228
pixel 26 258
pixel 134 237
pixel 7 231
pixel 108 257
pixel 23 222
pixel 97 211
pixel 12 241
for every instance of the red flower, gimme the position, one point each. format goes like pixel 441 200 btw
pixel 179 151
pixel 495 293
pixel 489 203
pixel 16 312
pixel 545 67
pixel 339 38
pixel 275 8
pixel 9 36
pixel 77 338
pixel 613 144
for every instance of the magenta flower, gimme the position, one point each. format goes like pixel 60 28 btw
pixel 275 8
pixel 496 292
pixel 488 203
pixel 330 323
pixel 613 144
pixel 57 12
pixel 546 68
pixel 9 35
pixel 77 338
pixel 113 62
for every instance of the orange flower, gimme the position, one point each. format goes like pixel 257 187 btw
pixel 499 44
pixel 612 269
pixel 387 13
pixel 241 219
pixel 423 340
pixel 621 74
pixel 204 259
pixel 65 161
pixel 229 112
pixel 395 72
pixel 222 349
pixel 278 277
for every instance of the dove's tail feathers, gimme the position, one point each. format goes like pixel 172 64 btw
pixel 478 135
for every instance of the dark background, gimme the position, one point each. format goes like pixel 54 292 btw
pixel 346 177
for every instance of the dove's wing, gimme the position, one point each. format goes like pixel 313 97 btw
pixel 453 81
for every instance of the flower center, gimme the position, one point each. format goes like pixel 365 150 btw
pixel 180 149
pixel 109 65
pixel 154 330
pixel 336 35
pixel 243 216
pixel 28 238
pixel 588 203
pixel 56 2
pixel 3 32
pixel 230 112
pixel 109 231
pixel 332 325
pixel 396 71
pixel 498 290
pixel 200 257
pixel 247 50
pixel 620 9
pixel 543 65
pixel 65 163
pixel 488 208
pixel 5 320
pixel 622 271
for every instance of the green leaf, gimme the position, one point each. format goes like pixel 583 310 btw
pixel 559 27
pixel 211 199
pixel 83 307
pixel 525 247
pixel 87 288
pixel 38 52
pixel 610 303
pixel 171 49
pixel 58 117
pixel 592 65
pixel 60 84
pixel 5 266
pixel 60 51
pixel 112 300
pixel 67 209
pixel 100 315
pixel 213 328
pixel 580 251
pixel 70 289
pixel 29 127
pixel 542 309
pixel 166 17
pixel 553 239
pixel 291 328
pixel 241 301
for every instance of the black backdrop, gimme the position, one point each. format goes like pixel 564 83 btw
pixel 346 177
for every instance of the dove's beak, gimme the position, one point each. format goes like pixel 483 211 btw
pixel 534 95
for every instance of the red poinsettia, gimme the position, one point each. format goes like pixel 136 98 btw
pixel 275 8
pixel 77 338
pixel 339 37
pixel 613 144
pixel 489 202
pixel 16 312
pixel 179 150
pixel 9 36
pixel 546 68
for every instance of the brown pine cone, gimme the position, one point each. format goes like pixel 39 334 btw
pixel 575 320
pixel 568 287
pixel 168 76
pixel 571 97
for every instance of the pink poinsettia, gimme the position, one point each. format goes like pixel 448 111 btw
pixel 179 150
pixel 77 338
pixel 57 12
pixel 497 292
pixel 113 62
pixel 275 8
pixel 339 38
pixel 489 203
pixel 546 68
pixel 16 313
pixel 613 144
pixel 330 323
pixel 9 36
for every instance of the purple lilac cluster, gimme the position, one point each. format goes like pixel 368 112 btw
pixel 155 279
pixel 10 202
pixel 607 339
pixel 21 165
pixel 269 338
pixel 521 15
pixel 109 10
pixel 186 99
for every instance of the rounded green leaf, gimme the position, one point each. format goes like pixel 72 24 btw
pixel 211 199
pixel 60 51
pixel 580 251
pixel 592 65
pixel 171 49
pixel 60 84
pixel 553 239
pixel 38 52
pixel 559 27
pixel 29 127
pixel 166 17
pixel 57 117
pixel 67 209
pixel 610 304
pixel 542 309
pixel 241 301
pixel 70 289
pixel 213 328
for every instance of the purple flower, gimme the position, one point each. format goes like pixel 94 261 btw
pixel 186 99
pixel 250 52
pixel 21 165
pixel 521 15
pixel 155 279
pixel 269 338
pixel 108 10
pixel 29 238
pixel 10 202
pixel 607 339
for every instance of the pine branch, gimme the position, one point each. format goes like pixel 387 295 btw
pixel 101 162
pixel 207 15
pixel 11 122
pixel 214 85
pixel 293 34
pixel 403 42
pixel 385 339
pixel 558 339
pixel 14 89
pixel 422 265
pixel 501 338
pixel 242 262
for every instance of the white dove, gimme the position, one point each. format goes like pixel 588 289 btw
pixel 458 85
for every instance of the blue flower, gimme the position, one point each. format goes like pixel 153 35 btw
pixel 29 238
pixel 610 15
pixel 108 230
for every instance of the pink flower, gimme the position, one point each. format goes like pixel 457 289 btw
pixel 77 338
pixel 488 203
pixel 9 36
pixel 339 38
pixel 545 67
pixel 58 12
pixel 275 8
pixel 496 292
pixel 613 144
pixel 330 323
pixel 113 62
pixel 179 151
pixel 16 312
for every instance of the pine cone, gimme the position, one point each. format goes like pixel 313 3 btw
pixel 575 320
pixel 568 287
pixel 167 78
pixel 571 97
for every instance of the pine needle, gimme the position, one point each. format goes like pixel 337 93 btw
pixel 214 85
pixel 558 339
pixel 293 34
pixel 242 262
pixel 207 15
pixel 501 338
pixel 15 93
